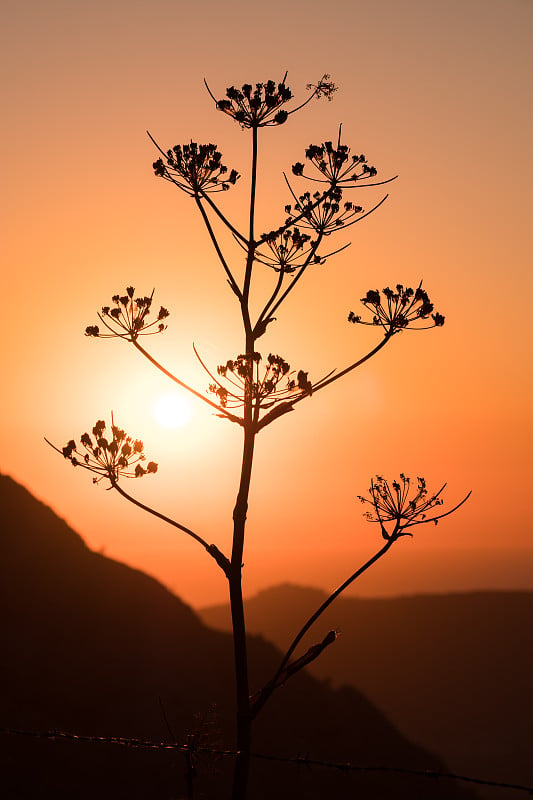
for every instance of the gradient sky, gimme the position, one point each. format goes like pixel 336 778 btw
pixel 438 93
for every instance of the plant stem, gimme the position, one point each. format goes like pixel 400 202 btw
pixel 288 405
pixel 213 551
pixel 296 278
pixel 251 242
pixel 271 686
pixel 237 615
pixel 244 717
pixel 226 222
pixel 333 596
pixel 231 279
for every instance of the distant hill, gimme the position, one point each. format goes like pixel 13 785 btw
pixel 96 648
pixel 453 672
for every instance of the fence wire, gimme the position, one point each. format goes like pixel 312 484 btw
pixel 193 748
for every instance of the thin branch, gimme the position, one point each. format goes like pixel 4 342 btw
pixel 211 93
pixel 296 278
pixel 224 219
pixel 222 411
pixel 285 408
pixel 311 97
pixel 215 379
pixel 376 349
pixel 165 155
pixel 261 322
pixel 441 516
pixel 213 551
pixel 350 183
pixel 251 242
pixel 214 241
pixel 165 719
pixel 295 220
pixel 273 683
pixel 365 185
pixel 204 194
pixel 267 310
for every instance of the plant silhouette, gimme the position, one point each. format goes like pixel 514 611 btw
pixel 253 389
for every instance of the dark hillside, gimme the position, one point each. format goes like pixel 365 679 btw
pixel 91 646
pixel 453 672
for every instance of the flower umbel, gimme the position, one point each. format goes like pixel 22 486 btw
pixel 400 504
pixel 335 164
pixel 108 457
pixel 288 248
pixel 399 309
pixel 324 88
pixel 195 168
pixel 127 319
pixel 267 385
pixel 260 106
pixel 256 107
pixel 323 213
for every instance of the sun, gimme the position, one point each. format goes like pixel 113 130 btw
pixel 172 410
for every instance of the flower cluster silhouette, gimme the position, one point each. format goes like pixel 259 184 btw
pixel 196 169
pixel 287 250
pixel 260 105
pixel 108 457
pixel 403 504
pixel 334 164
pixel 127 319
pixel 323 214
pixel 399 309
pixel 265 386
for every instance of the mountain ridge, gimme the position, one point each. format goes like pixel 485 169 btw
pixel 97 648
pixel 450 670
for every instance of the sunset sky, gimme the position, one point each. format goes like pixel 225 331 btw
pixel 436 93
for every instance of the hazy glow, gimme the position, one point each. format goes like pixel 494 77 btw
pixel 172 410
pixel 438 95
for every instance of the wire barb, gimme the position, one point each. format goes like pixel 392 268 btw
pixel 345 766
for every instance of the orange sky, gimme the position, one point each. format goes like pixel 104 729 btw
pixel 439 94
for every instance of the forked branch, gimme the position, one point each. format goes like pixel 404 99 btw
pixel 395 505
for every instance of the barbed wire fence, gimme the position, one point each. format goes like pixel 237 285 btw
pixel 191 748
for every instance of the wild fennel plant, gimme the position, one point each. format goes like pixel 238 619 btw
pixel 253 389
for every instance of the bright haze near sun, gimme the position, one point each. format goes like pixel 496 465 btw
pixel 436 94
pixel 171 410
